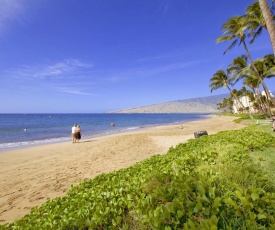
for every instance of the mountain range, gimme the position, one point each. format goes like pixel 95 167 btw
pixel 192 105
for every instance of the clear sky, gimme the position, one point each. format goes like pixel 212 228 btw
pixel 93 56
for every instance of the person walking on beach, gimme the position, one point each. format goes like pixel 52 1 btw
pixel 74 133
pixel 78 133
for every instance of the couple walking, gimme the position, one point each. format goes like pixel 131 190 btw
pixel 76 133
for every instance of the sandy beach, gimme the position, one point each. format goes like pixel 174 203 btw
pixel 28 177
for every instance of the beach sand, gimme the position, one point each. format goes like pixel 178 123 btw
pixel 28 177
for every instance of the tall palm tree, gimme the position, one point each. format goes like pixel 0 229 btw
pixel 219 80
pixel 269 21
pixel 234 29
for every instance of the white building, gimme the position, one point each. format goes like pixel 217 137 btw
pixel 246 103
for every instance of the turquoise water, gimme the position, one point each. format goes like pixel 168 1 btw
pixel 21 130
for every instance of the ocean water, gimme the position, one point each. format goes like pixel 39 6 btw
pixel 26 130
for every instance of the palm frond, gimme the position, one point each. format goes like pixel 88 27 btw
pixel 224 38
pixel 256 34
pixel 231 46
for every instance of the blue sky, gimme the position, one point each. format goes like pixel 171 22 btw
pixel 93 56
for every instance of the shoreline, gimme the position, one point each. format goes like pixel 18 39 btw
pixel 34 143
pixel 30 176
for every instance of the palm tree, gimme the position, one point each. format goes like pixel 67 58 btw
pixel 248 97
pixel 269 62
pixel 254 84
pixel 269 21
pixel 226 105
pixel 266 65
pixel 266 69
pixel 219 80
pixel 238 70
pixel 234 29
pixel 255 24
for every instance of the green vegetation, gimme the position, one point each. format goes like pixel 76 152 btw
pixel 244 118
pixel 213 182
pixel 267 161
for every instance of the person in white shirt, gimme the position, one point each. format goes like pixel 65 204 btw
pixel 73 133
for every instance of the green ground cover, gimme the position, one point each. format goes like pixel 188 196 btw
pixel 221 181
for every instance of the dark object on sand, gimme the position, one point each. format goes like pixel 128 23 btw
pixel 200 133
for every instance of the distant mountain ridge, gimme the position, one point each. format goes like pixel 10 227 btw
pixel 192 105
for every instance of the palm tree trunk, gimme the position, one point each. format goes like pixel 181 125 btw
pixel 269 21
pixel 258 97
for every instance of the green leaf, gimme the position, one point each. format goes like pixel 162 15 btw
pixel 157 222
pixel 261 216
pixel 198 207
pixel 118 219
pixel 214 220
pixel 217 202
pixel 114 222
pixel 180 213
pixel 212 192
pixel 238 193
pixel 254 196
pixel 171 207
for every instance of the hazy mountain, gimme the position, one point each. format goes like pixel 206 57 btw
pixel 192 105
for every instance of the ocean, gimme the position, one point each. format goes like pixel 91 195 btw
pixel 26 130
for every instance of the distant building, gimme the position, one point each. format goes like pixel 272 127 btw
pixel 247 103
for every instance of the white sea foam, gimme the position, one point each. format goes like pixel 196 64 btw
pixel 131 128
pixel 16 145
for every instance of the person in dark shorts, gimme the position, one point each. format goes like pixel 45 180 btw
pixel 78 133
